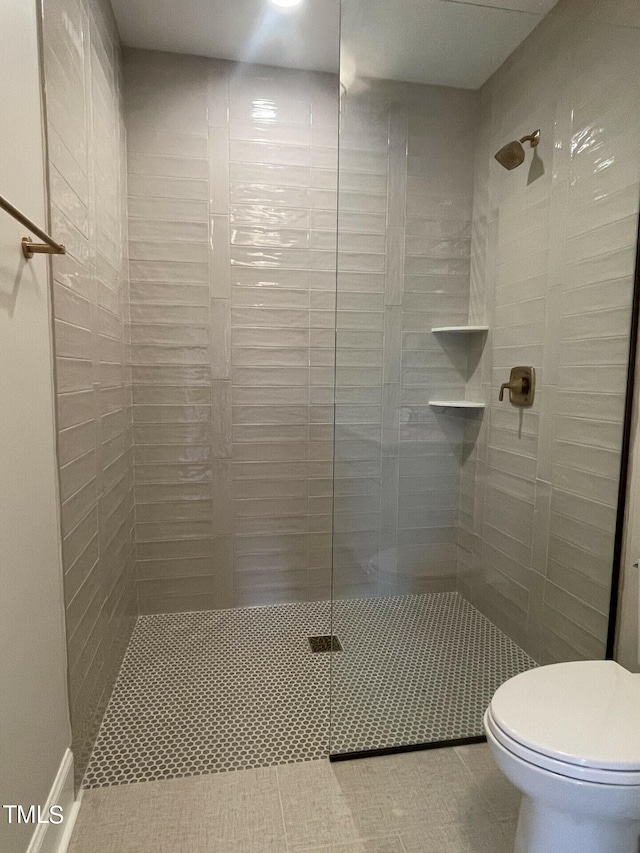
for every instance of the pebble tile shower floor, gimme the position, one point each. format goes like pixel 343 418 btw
pixel 221 690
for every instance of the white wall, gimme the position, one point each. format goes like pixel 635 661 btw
pixel 627 640
pixel 626 652
pixel 34 728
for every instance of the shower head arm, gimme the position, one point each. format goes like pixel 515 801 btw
pixel 533 138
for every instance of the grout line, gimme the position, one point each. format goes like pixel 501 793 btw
pixel 476 784
pixel 284 823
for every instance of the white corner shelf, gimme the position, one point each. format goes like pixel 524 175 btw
pixel 460 329
pixel 456 404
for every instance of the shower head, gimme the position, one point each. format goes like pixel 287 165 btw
pixel 512 155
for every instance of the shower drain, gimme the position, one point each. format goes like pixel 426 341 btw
pixel 325 643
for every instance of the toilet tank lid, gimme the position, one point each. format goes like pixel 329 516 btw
pixel 584 712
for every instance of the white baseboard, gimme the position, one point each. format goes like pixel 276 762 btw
pixel 51 837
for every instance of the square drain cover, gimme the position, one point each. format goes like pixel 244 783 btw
pixel 325 643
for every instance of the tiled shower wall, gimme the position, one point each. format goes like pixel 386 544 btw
pixel 232 206
pixel 90 301
pixel 232 219
pixel 554 247
pixel 405 156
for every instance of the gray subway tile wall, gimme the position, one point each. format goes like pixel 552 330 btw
pixel 266 445
pixel 397 459
pixel 232 209
pixel 404 263
pixel 553 264
pixel 81 54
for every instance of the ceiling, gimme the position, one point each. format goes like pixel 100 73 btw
pixel 443 42
pixel 244 30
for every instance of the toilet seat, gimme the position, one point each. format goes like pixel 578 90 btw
pixel 579 772
pixel 579 719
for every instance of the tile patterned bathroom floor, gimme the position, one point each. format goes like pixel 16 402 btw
pixel 440 801
pixel 212 691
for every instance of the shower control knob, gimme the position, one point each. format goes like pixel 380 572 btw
pixel 521 386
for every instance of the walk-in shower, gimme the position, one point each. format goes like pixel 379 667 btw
pixel 296 281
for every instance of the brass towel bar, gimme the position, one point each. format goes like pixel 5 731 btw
pixel 29 248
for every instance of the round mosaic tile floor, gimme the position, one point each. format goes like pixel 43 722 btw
pixel 212 691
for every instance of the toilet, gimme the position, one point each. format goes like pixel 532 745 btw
pixel 567 736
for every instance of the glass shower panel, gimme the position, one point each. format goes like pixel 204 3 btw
pixel 473 538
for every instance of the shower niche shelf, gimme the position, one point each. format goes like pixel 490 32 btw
pixel 456 404
pixel 467 405
pixel 460 329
